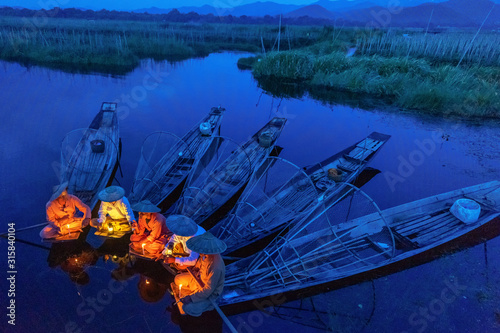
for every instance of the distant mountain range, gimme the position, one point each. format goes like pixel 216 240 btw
pixel 376 13
pixel 361 12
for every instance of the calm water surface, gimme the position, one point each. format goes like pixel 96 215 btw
pixel 425 156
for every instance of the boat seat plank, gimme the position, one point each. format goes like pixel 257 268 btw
pixel 348 166
pixel 423 225
pixel 401 224
pixel 408 229
pixel 370 144
pixel 438 225
pixel 430 238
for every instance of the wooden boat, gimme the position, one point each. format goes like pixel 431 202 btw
pixel 156 181
pixel 214 182
pixel 73 236
pixel 107 231
pixel 142 255
pixel 324 252
pixel 90 160
pixel 283 192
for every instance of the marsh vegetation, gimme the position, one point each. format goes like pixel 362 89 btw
pixel 452 72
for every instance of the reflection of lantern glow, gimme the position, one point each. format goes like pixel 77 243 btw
pixel 180 289
pixel 143 244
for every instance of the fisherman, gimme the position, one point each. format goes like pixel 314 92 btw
pixel 63 213
pixel 210 272
pixel 150 229
pixel 115 210
pixel 183 228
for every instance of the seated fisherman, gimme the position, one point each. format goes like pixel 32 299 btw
pixel 62 213
pixel 150 228
pixel 210 271
pixel 183 228
pixel 115 210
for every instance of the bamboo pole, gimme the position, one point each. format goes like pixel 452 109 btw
pixel 279 35
pixel 27 228
pixel 477 33
pixel 223 316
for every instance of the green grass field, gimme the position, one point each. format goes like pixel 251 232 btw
pixel 443 74
pixel 118 46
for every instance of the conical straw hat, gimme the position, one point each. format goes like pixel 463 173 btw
pixel 58 190
pixel 181 225
pixel 206 244
pixel 145 206
pixel 112 193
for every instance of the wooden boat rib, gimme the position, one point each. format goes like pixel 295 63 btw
pixel 318 252
pixel 213 182
pixel 157 183
pixel 88 165
pixel 261 212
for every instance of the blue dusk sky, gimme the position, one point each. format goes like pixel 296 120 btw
pixel 134 4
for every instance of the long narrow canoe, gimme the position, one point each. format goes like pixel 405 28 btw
pixel 324 252
pixel 273 199
pixel 89 160
pixel 214 182
pixel 156 181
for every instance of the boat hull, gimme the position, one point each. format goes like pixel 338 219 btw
pixel 476 236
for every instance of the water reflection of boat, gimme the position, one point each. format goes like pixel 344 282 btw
pixel 89 159
pixel 282 192
pixel 342 244
pixel 73 258
pixel 158 181
pixel 214 182
pixel 115 250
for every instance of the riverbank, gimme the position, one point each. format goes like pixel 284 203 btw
pixel 116 47
pixel 416 84
pixel 451 73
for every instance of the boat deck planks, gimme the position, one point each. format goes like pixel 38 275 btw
pixel 167 174
pixel 88 172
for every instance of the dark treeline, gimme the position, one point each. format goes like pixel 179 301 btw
pixel 173 16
